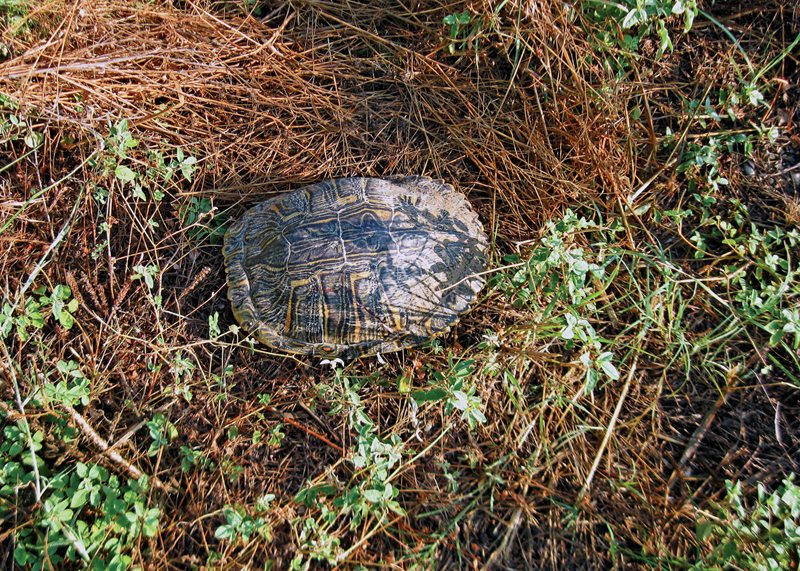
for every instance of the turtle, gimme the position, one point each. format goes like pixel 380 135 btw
pixel 352 267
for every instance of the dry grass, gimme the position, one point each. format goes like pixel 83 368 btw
pixel 316 90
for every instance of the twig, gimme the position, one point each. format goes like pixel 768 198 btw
pixel 609 431
pixel 787 170
pixel 138 426
pixel 37 481
pixel 285 417
pixel 645 185
pixel 513 526
pixel 343 556
pixel 36 195
pixel 697 437
pixel 104 447
pixel 702 429
pixel 201 276
pixel 479 274
pixel 43 261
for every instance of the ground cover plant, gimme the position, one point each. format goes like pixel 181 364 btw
pixel 624 395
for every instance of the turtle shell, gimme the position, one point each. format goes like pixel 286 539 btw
pixel 355 266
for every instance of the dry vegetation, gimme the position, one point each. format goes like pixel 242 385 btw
pixel 600 423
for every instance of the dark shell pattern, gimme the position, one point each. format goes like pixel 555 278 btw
pixel 355 266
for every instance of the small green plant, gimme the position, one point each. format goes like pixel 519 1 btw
pixel 316 541
pixel 120 140
pixel 162 432
pixel 61 306
pixel 30 316
pixel 36 310
pixel 240 526
pixel 461 30
pixel 786 324
pixel 230 469
pixel 373 458
pixel 14 127
pixel 82 513
pixel 704 156
pixel 222 380
pixel 762 534
pixel 452 386
pixel 213 326
pixel 14 17
pixel 758 267
pixel 192 458
pixel 369 496
pixel 72 389
pixel 146 273
pixel 276 436
pixel 154 177
pixel 637 20
pixel 557 266
pixel 705 159
pixel 165 170
pixel 202 221
pixel 559 281
pixel 649 15
pixel 182 366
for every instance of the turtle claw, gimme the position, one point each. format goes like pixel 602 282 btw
pixel 381 360
pixel 332 362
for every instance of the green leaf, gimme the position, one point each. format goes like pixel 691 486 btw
pixel 395 507
pixel 224 532
pixel 213 325
pixel 150 525
pixel 728 550
pixel 776 337
pixel 703 530
pixel 66 320
pixel 138 192
pixel 79 499
pixel 233 517
pixel 460 400
pixel 373 496
pixel 33 139
pixel 187 168
pixel 631 19
pixel 431 395
pixel 604 360
pixel 124 174
pixel 479 416
pixel 21 556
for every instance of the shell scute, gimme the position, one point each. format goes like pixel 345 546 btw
pixel 355 266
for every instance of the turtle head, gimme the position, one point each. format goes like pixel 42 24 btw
pixel 330 351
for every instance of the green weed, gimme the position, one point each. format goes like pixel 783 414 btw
pixel 72 390
pixel 762 533
pixel 14 127
pixel 240 526
pixel 559 282
pixel 462 29
pixel 121 162
pixel 368 497
pixel 82 513
pixel 199 216
pixel 162 433
pixel 454 387
pixel 618 28
pixel 37 310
